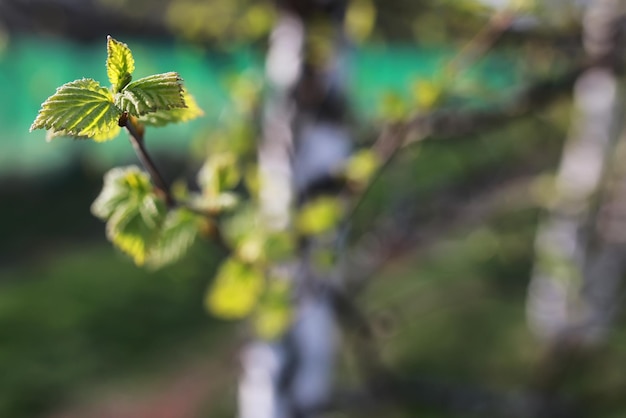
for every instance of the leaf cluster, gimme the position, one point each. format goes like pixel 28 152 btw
pixel 138 222
pixel 84 109
pixel 156 226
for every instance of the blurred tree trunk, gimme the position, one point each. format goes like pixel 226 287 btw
pixel 573 292
pixel 304 140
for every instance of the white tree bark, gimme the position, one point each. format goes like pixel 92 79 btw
pixel 575 276
pixel 293 377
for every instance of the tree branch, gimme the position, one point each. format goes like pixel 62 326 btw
pixel 136 139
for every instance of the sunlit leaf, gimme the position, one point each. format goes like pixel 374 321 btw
pixel 134 214
pixel 245 91
pixel 105 136
pixel 236 226
pixel 279 246
pixel 319 215
pixel 236 290
pixel 393 107
pixel 176 115
pixel 361 166
pixel 135 227
pixel 360 19
pixel 252 242
pixel 273 313
pixel 119 184
pixel 177 235
pixel 215 203
pixel 152 93
pixel 218 175
pixel 120 64
pixel 81 108
pixel 236 137
pixel 256 21
pixel 220 172
pixel 427 93
pixel 251 248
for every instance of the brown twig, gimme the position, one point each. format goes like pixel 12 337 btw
pixel 391 140
pixel 136 137
pixel 480 43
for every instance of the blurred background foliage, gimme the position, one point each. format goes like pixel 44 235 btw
pixel 82 329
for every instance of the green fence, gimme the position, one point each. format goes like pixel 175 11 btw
pixel 31 69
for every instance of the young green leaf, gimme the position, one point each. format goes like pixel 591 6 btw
pixel 119 184
pixel 236 290
pixel 152 93
pixel 134 228
pixel 220 172
pixel 217 203
pixel 179 232
pixel 273 313
pixel 105 136
pixel 120 64
pixel 134 214
pixel 181 114
pixel 361 167
pixel 319 216
pixel 81 108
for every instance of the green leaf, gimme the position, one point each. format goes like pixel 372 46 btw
pixel 152 93
pixel 361 166
pixel 280 246
pixel 119 184
pixel 427 93
pixel 274 313
pixel 120 64
pixel 216 203
pixel 134 228
pixel 181 114
pixel 251 248
pixel 179 232
pixel 81 108
pixel 133 212
pixel 393 107
pixel 105 136
pixel 319 215
pixel 360 19
pixel 236 290
pixel 240 224
pixel 219 173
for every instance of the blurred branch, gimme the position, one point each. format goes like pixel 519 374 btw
pixel 533 98
pixel 456 123
pixel 480 43
pixel 395 236
pixel 450 124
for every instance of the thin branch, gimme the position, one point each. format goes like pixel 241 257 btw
pixel 498 24
pixel 391 240
pixel 393 138
pixel 136 139
pixel 535 97
pixel 387 147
